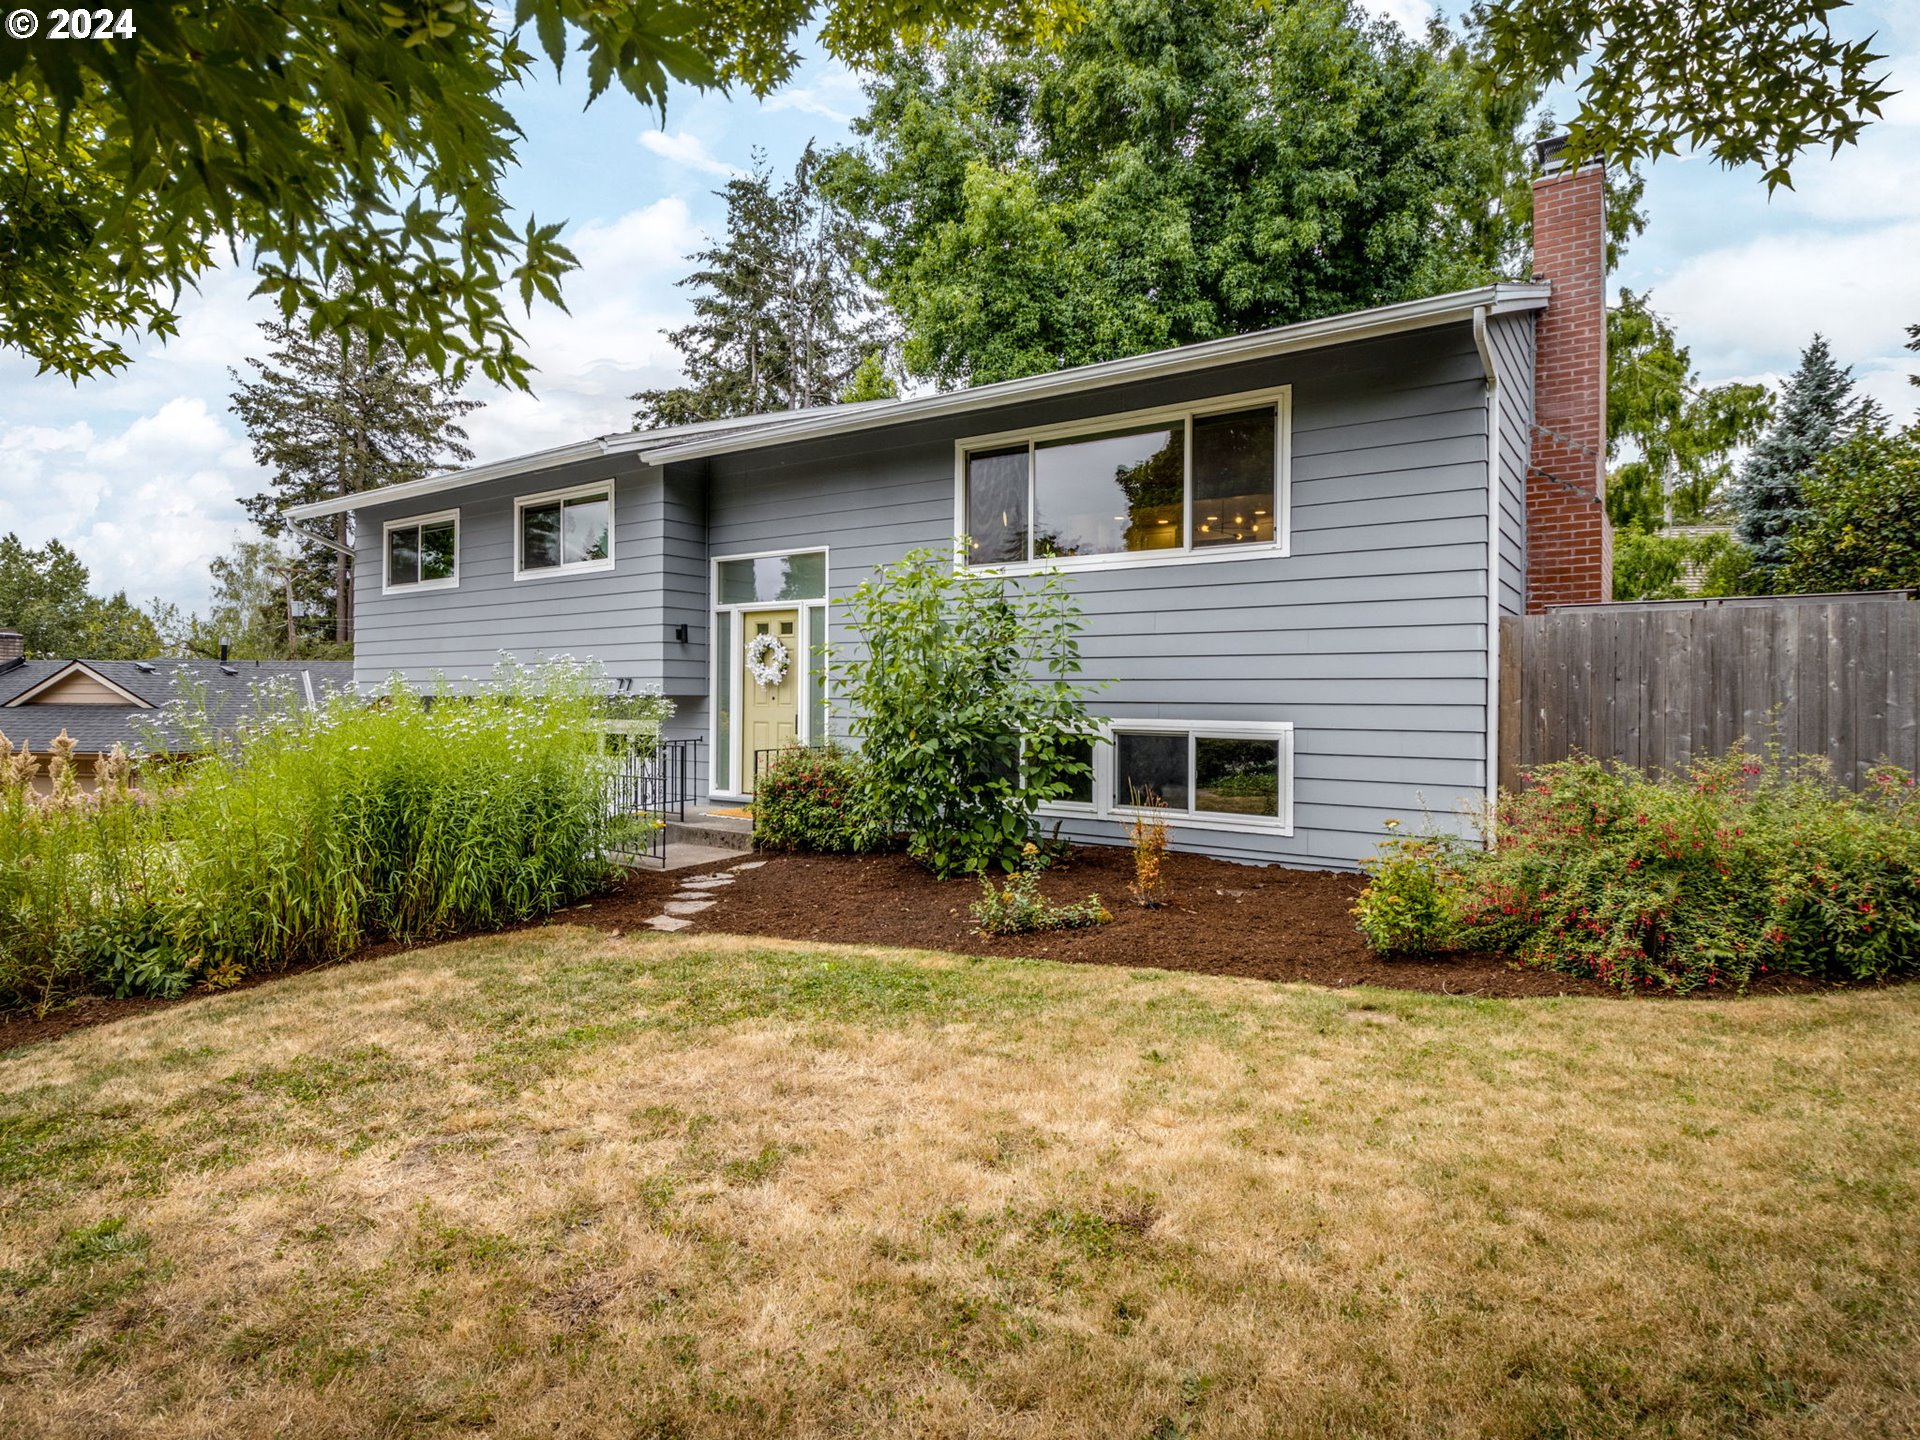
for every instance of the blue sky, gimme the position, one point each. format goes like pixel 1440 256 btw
pixel 139 472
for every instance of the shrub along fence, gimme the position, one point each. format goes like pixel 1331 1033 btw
pixel 1662 684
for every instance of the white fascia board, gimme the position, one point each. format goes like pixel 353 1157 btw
pixel 453 480
pixel 1207 354
pixel 596 449
pixel 722 437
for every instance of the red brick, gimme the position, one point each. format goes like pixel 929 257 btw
pixel 1569 544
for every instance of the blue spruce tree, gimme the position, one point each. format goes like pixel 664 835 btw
pixel 1816 413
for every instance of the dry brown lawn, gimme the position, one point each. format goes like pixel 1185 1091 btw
pixel 558 1183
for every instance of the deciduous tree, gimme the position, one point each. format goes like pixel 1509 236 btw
pixel 44 595
pixel 352 149
pixel 1862 525
pixel 1171 173
pixel 1749 81
pixel 1682 436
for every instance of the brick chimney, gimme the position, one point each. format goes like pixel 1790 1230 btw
pixel 12 646
pixel 1569 543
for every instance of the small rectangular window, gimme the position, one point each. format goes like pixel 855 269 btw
pixel 567 531
pixel 1149 768
pixel 1206 774
pixel 771 578
pixel 423 551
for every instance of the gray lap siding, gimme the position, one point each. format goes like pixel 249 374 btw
pixel 1370 637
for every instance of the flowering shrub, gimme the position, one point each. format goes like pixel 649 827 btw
pixel 302 835
pixel 1736 867
pixel 1018 907
pixel 816 800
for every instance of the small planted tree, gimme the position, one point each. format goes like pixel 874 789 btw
pixel 967 706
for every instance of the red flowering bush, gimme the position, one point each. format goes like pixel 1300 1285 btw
pixel 816 800
pixel 1735 867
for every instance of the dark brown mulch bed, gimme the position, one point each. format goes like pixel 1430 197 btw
pixel 1259 922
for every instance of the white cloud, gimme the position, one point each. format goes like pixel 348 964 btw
pixel 146 505
pixel 1749 306
pixel 830 91
pixel 1410 15
pixel 609 343
pixel 685 149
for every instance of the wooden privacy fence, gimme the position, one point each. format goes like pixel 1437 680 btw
pixel 1658 684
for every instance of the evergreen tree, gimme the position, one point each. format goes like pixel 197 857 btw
pixel 332 417
pixel 1817 411
pixel 44 596
pixel 780 320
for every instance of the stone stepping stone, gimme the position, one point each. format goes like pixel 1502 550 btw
pixel 706 882
pixel 686 907
pixel 746 865
pixel 668 922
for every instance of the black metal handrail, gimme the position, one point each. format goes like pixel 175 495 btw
pixel 652 783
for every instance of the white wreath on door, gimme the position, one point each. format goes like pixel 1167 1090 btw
pixel 767 659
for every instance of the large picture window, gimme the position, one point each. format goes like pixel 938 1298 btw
pixel 1204 480
pixel 566 530
pixel 423 552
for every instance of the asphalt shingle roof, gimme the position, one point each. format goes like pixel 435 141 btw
pixel 96 729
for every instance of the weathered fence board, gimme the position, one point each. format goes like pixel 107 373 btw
pixel 1659 685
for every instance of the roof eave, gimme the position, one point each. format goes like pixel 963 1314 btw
pixel 1458 307
pixel 727 437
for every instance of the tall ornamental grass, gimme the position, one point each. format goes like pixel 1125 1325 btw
pixel 1737 867
pixel 305 834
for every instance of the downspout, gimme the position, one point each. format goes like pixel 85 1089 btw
pixel 1493 567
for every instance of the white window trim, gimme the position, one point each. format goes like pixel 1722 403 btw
pixel 1104 751
pixel 735 657
pixel 547 497
pixel 417 587
pixel 1279 396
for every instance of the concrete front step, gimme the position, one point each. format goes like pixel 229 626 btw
pixel 719 832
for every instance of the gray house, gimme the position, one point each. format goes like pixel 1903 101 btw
pixel 1293 549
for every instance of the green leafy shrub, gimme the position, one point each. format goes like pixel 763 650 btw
pixel 1736 867
pixel 816 800
pixel 1408 907
pixel 1018 908
pixel 962 692
pixel 304 834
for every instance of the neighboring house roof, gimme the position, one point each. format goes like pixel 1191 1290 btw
pixel 690 442
pixel 96 727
